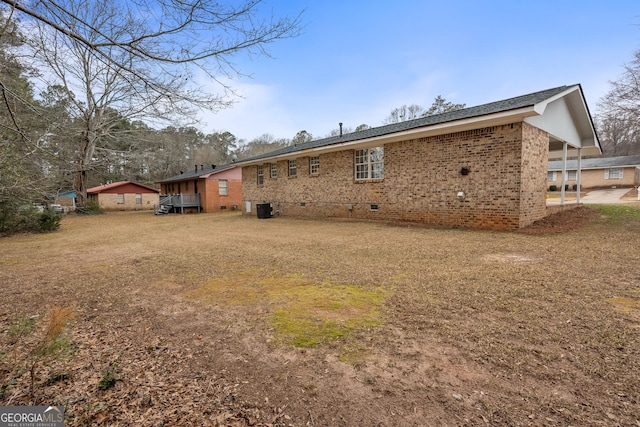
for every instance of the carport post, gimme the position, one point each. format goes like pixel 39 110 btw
pixel 579 175
pixel 564 170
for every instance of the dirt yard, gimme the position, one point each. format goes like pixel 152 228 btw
pixel 225 320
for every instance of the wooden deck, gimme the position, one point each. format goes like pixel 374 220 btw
pixel 176 203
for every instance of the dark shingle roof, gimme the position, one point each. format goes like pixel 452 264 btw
pixel 596 163
pixel 195 174
pixel 465 113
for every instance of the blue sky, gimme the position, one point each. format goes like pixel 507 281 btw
pixel 357 60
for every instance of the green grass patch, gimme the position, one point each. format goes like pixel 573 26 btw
pixel 617 214
pixel 23 327
pixel 303 313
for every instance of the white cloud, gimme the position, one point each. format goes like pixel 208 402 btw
pixel 258 110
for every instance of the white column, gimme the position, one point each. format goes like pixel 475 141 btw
pixel 579 175
pixel 564 171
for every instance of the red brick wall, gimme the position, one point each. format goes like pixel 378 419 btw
pixel 421 181
pixel 535 158
pixel 211 199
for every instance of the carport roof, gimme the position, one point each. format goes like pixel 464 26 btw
pixel 506 111
pixel 597 163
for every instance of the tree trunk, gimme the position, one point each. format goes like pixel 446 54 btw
pixel 81 179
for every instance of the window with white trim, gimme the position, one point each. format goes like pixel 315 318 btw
pixel 138 199
pixel 572 176
pixel 613 173
pixel 314 165
pixel 120 198
pixel 260 171
pixel 223 187
pixel 369 164
pixel 274 170
pixel 293 168
pixel 551 175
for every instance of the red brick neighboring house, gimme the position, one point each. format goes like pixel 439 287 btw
pixel 124 196
pixel 210 189
pixel 478 167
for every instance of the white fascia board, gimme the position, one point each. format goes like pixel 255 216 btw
pixel 540 107
pixel 496 119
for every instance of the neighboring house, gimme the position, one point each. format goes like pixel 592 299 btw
pixel 600 172
pixel 124 196
pixel 211 189
pixel 67 199
pixel 478 167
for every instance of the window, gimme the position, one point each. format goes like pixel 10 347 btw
pixel 572 175
pixel 120 198
pixel 274 170
pixel 613 173
pixel 369 163
pixel 314 165
pixel 551 176
pixel 223 187
pixel 260 175
pixel 138 199
pixel 293 168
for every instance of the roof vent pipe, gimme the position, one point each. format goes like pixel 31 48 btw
pixel 196 168
pixel 201 168
pixel 340 124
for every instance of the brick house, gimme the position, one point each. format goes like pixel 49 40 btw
pixel 602 172
pixel 124 196
pixel 207 189
pixel 479 167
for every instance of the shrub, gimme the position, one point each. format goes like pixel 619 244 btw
pixel 49 220
pixel 92 208
pixel 109 377
pixel 575 187
pixel 27 219
pixel 553 188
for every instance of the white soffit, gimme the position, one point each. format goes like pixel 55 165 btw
pixel 566 117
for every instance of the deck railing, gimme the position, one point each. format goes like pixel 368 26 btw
pixel 180 201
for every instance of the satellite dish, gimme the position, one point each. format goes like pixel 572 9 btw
pixel 234 158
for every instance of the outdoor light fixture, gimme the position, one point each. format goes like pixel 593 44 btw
pixel 464 171
pixel 460 195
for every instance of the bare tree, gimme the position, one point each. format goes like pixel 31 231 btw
pixel 261 145
pixel 618 117
pixel 413 111
pixel 302 137
pixel 404 113
pixel 142 59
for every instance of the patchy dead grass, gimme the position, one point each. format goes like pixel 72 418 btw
pixel 230 320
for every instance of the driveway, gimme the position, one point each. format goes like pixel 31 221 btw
pixel 606 196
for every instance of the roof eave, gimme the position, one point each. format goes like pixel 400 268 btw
pixel 495 119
